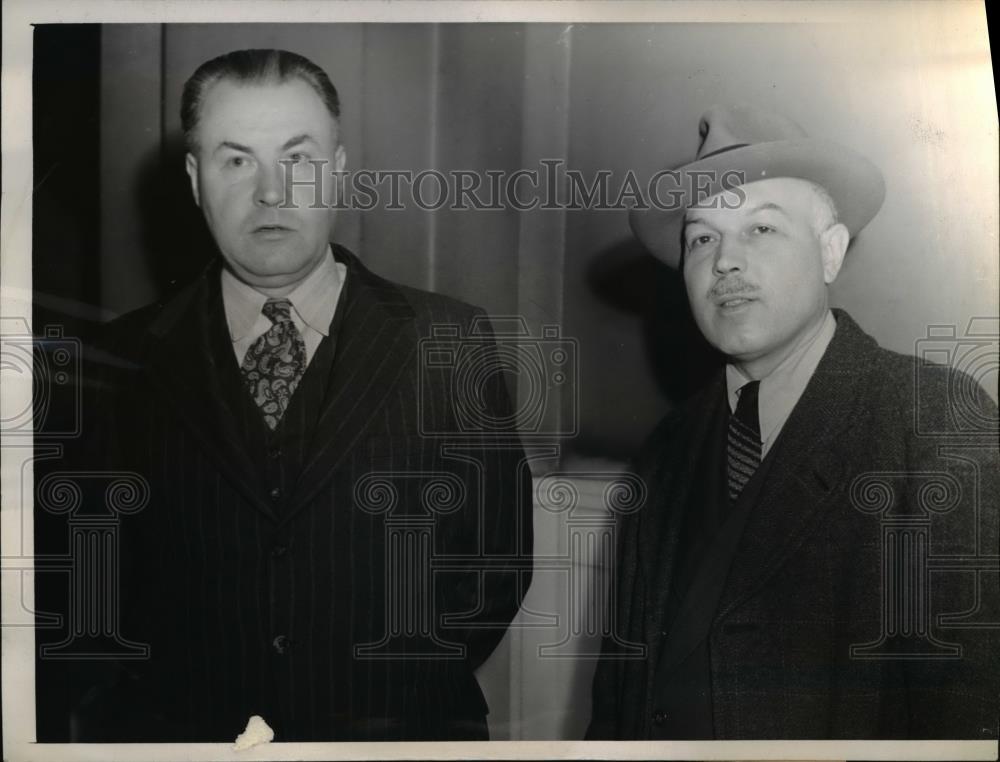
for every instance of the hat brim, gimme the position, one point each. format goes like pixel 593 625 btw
pixel 854 183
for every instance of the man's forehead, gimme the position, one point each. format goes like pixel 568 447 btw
pixel 782 195
pixel 292 105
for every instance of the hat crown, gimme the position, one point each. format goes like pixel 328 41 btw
pixel 726 127
pixel 742 144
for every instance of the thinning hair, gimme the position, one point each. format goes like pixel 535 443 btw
pixel 254 66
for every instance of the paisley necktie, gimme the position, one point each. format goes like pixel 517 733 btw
pixel 274 364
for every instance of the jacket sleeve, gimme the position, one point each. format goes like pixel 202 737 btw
pixel 96 687
pixel 494 529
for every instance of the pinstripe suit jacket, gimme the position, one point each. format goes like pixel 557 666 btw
pixel 318 612
pixel 884 483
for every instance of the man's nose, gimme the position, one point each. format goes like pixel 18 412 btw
pixel 730 255
pixel 269 191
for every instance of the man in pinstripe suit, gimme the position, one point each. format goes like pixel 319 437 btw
pixel 280 412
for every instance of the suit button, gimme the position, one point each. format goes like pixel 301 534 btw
pixel 278 551
pixel 281 644
pixel 274 453
pixel 659 718
pixel 276 493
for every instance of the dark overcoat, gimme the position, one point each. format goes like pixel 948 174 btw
pixel 862 598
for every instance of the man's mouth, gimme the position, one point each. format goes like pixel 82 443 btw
pixel 732 302
pixel 732 295
pixel 272 233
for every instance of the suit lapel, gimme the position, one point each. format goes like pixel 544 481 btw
pixel 808 465
pixel 376 341
pixel 183 365
pixel 696 604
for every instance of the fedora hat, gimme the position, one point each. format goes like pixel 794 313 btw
pixel 742 144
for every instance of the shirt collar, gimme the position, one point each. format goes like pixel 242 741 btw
pixel 780 390
pixel 312 299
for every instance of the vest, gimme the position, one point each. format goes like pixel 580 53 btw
pixel 280 454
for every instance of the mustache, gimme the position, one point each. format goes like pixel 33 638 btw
pixel 730 286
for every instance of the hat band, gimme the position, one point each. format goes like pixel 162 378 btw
pixel 716 152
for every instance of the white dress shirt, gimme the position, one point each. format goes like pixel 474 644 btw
pixel 780 390
pixel 314 301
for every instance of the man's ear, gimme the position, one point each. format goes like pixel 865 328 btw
pixel 337 187
pixel 833 246
pixel 191 165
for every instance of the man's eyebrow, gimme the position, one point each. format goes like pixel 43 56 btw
pixel 234 146
pixel 764 207
pixel 292 142
pixel 768 206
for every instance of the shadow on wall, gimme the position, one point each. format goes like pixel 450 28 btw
pixel 175 240
pixel 628 278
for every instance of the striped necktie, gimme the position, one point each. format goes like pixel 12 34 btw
pixel 744 451
pixel 275 363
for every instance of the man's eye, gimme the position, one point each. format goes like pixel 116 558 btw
pixel 699 240
pixel 237 161
pixel 299 158
pixel 762 229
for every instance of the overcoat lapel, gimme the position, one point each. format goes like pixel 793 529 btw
pixel 697 603
pixel 672 487
pixel 376 342
pixel 183 366
pixel 807 467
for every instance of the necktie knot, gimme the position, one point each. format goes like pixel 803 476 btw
pixel 277 310
pixel 747 406
pixel 744 445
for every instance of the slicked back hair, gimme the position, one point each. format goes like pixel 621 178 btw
pixel 255 66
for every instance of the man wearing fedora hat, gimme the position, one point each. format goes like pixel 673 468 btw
pixel 779 574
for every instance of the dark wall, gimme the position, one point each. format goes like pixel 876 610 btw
pixel 66 201
pixel 66 299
